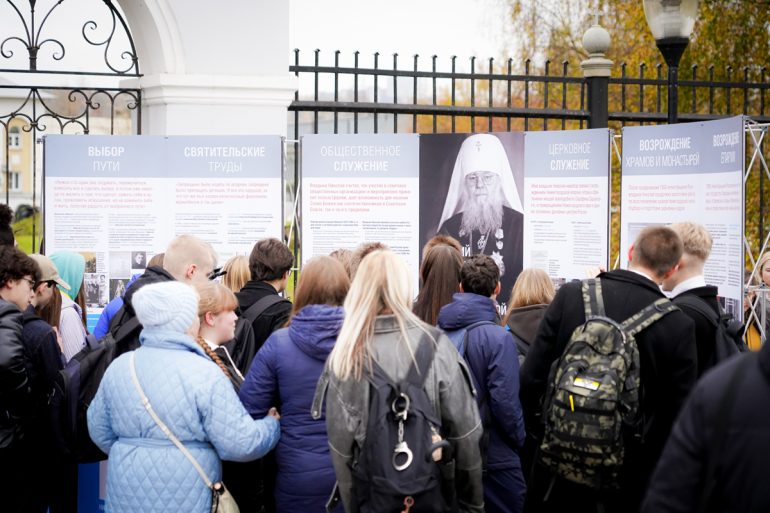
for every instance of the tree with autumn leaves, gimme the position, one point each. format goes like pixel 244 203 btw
pixel 730 43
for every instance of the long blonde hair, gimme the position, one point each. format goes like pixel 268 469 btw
pixel 381 284
pixel 532 287
pixel 238 273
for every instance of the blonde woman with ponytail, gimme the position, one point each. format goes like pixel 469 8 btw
pixel 379 326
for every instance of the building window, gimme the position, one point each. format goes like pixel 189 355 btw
pixel 14 138
pixel 15 181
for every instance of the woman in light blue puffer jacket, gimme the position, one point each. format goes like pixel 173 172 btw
pixel 190 394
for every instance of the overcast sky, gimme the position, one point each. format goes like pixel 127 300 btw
pixel 441 27
pixel 427 27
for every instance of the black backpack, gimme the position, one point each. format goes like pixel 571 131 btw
pixel 75 387
pixel 395 470
pixel 728 339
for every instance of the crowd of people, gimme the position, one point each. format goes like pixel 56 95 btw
pixel 609 394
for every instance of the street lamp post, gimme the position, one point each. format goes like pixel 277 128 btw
pixel 671 23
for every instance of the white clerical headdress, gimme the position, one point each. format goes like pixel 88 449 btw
pixel 480 152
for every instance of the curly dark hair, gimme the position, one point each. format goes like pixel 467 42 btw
pixel 15 265
pixel 479 275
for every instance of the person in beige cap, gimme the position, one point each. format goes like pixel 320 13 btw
pixel 44 358
pixel 49 278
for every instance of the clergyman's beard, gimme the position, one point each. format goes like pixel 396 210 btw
pixel 482 214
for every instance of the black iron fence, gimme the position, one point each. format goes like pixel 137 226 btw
pixel 375 94
pixel 36 64
pixel 487 96
pixel 703 95
pixel 491 95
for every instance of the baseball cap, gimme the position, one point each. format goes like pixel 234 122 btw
pixel 48 271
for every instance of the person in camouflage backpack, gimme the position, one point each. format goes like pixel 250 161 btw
pixel 667 372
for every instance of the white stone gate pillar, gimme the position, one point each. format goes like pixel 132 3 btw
pixel 212 67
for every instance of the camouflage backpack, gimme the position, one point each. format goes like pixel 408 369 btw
pixel 593 391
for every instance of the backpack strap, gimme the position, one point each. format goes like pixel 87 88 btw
pixel 91 342
pixel 648 316
pixel 163 427
pixel 464 346
pixel 593 302
pixel 423 358
pixel 126 328
pixel 258 308
pixel 700 306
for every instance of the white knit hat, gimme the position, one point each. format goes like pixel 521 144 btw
pixel 168 306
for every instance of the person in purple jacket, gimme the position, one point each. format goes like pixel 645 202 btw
pixel 285 372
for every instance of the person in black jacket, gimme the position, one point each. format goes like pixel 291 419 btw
pixel 48 480
pixel 270 263
pixel 188 259
pixel 492 358
pixel 733 438
pixel 688 282
pixel 667 367
pixel 18 275
pixel 530 297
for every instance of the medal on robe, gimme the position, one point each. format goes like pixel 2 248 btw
pixel 498 258
pixel 482 243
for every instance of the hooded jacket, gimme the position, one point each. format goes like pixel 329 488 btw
pixel 448 387
pixel 493 360
pixel 523 323
pixel 192 396
pixel 284 374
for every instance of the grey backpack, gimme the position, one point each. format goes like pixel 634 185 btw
pixel 593 392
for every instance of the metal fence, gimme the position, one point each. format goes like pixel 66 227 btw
pixel 703 95
pixel 504 95
pixel 36 64
pixel 375 94
pixel 489 95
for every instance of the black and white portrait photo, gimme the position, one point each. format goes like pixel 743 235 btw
pixel 138 259
pixel 469 189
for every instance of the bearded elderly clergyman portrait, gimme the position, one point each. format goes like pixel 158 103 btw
pixel 483 209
